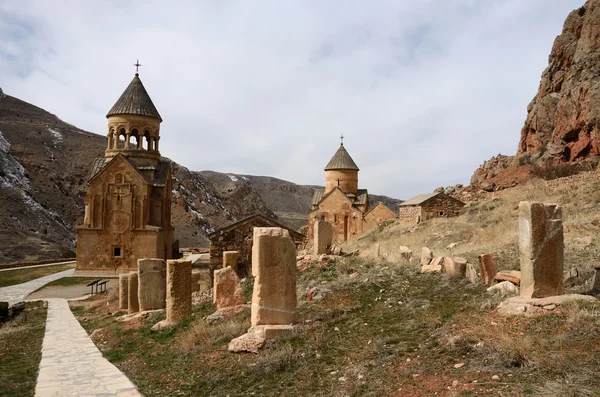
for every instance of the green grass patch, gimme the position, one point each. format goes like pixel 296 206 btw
pixel 21 350
pixel 18 276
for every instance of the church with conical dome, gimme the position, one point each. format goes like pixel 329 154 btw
pixel 342 203
pixel 128 201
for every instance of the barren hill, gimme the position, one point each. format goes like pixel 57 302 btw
pixel 44 167
pixel 563 119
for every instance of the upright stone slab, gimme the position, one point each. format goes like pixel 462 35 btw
pixel 323 237
pixel 152 284
pixel 230 259
pixel 596 285
pixel 455 268
pixel 541 249
pixel 426 256
pixel 123 291
pixel 274 271
pixel 487 268
pixel 132 293
pixel 227 290
pixel 179 290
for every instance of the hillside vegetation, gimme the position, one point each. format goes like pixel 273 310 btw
pixel 386 329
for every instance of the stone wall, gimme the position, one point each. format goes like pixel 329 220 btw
pixel 436 207
pixel 410 214
pixel 238 239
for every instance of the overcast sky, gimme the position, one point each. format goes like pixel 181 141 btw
pixel 424 91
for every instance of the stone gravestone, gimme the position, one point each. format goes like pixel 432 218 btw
pixel 323 237
pixel 179 290
pixel 227 290
pixel 274 296
pixel 152 284
pixel 230 259
pixel 541 249
pixel 123 291
pixel 487 268
pixel 274 271
pixel 132 293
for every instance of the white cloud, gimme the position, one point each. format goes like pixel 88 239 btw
pixel 424 91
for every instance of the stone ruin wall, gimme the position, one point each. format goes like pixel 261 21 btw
pixel 410 214
pixel 440 207
pixel 238 239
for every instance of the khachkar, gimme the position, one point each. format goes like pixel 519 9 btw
pixel 128 202
pixel 541 249
pixel 273 311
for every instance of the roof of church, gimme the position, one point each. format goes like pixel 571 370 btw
pixel 341 160
pixel 361 198
pixel 262 220
pixel 421 198
pixel 135 100
pixel 160 177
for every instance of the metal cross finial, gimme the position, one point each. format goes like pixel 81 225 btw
pixel 137 65
pixel 342 138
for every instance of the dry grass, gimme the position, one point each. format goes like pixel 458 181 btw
pixel 201 336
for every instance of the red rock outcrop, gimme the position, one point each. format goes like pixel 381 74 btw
pixel 563 119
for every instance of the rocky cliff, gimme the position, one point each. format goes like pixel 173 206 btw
pixel 563 119
pixel 44 168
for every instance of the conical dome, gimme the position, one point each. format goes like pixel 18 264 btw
pixel 341 160
pixel 134 100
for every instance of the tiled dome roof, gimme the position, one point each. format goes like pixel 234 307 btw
pixel 135 100
pixel 341 160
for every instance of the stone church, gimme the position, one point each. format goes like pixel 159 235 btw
pixel 128 202
pixel 343 204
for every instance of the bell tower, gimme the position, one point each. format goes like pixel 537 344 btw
pixel 134 126
pixel 341 171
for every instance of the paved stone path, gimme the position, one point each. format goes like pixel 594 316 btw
pixel 71 364
pixel 17 293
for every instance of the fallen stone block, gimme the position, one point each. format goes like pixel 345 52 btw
pixel 454 269
pixel 524 306
pixel 255 338
pixel 514 276
pixel 505 288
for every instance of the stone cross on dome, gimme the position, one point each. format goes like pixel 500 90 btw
pixel 342 139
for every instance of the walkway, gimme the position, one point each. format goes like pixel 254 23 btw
pixel 71 364
pixel 18 293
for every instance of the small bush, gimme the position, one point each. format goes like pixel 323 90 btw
pixel 549 172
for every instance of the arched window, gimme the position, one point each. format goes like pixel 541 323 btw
pixel 119 178
pixel 121 141
pixel 134 138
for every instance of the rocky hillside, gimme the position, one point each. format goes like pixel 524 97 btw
pixel 44 167
pixel 563 119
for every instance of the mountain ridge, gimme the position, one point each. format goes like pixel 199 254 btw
pixel 44 167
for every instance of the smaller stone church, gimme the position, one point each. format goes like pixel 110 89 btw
pixel 343 204
pixel 128 201
pixel 428 206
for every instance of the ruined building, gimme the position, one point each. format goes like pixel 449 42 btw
pixel 342 203
pixel 128 202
